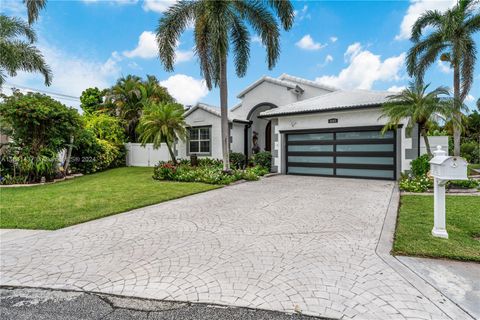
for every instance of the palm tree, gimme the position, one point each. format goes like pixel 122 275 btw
pixel 154 91
pixel 217 26
pixel 33 9
pixel 128 96
pixel 419 107
pixel 162 123
pixel 450 37
pixel 19 54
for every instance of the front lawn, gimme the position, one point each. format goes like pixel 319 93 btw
pixel 62 204
pixel 415 222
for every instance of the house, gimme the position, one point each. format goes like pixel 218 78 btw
pixel 310 128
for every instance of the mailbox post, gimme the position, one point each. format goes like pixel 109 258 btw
pixel 444 168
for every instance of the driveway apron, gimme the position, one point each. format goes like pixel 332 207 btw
pixel 286 243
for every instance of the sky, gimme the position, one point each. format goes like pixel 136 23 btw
pixel 345 44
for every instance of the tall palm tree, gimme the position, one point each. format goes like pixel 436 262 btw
pixel 162 123
pixel 19 54
pixel 419 107
pixel 217 26
pixel 154 91
pixel 128 96
pixel 451 39
pixel 33 9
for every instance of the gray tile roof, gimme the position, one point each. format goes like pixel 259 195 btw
pixel 337 100
pixel 209 108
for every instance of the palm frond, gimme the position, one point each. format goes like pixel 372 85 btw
pixel 33 9
pixel 431 18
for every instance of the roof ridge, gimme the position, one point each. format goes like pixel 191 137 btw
pixel 307 81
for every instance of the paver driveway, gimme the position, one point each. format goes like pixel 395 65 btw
pixel 284 243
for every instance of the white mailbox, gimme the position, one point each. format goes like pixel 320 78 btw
pixel 447 167
pixel 444 168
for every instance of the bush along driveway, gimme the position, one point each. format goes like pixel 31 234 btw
pixel 62 204
pixel 415 221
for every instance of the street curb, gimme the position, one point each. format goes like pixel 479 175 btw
pixel 384 247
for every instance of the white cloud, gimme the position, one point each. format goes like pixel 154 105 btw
pixel 71 74
pixel 158 6
pixel 185 89
pixel 333 39
pixel 396 88
pixel 307 43
pixel 444 66
pixel 469 98
pixel 302 14
pixel 147 49
pixel 327 60
pixel 416 9
pixel 364 69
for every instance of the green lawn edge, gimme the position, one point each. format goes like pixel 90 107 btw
pixel 415 222
pixel 90 197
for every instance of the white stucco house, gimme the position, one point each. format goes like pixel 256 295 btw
pixel 310 128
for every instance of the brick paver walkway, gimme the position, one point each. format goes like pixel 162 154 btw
pixel 284 243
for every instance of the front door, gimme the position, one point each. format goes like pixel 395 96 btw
pixel 268 137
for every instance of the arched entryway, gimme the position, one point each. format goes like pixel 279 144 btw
pixel 262 127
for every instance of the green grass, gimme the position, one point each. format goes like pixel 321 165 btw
pixel 66 203
pixel 415 222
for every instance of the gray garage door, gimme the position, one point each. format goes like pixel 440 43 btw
pixel 347 152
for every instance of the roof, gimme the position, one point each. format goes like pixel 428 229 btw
pixel 336 100
pixel 287 84
pixel 287 77
pixel 211 109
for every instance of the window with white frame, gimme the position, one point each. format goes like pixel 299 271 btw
pixel 199 140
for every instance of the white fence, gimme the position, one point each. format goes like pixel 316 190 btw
pixel 434 142
pixel 138 156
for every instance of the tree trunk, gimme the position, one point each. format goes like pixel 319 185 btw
pixel 224 114
pixel 69 155
pixel 457 111
pixel 427 143
pixel 172 154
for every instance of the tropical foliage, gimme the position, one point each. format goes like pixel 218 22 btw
pixel 130 95
pixel 33 9
pixel 450 37
pixel 91 100
pixel 39 128
pixel 218 27
pixel 17 52
pixel 162 123
pixel 419 107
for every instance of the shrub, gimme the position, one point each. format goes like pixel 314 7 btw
pixel 467 184
pixel 420 166
pixel 237 160
pixel 416 184
pixel 209 162
pixel 263 159
pixel 164 171
pixel 470 150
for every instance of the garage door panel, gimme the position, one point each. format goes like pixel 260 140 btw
pixel 352 153
pixel 311 170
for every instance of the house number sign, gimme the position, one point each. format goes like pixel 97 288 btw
pixel 333 120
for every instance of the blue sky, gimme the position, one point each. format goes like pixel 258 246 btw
pixel 354 44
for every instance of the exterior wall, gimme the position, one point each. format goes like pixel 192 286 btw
pixel 259 125
pixel 351 118
pixel 200 118
pixel 264 92
pixel 237 134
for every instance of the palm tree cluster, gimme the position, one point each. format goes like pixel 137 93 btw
pixel 450 38
pixel 131 95
pixel 221 27
pixel 419 106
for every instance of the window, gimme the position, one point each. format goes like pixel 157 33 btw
pixel 199 140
